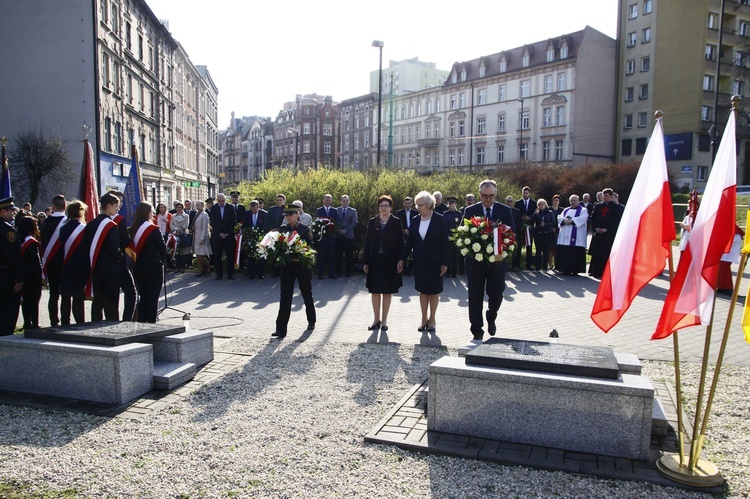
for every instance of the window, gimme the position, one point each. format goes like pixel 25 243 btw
pixel 118 137
pixel 708 83
pixel 550 54
pixel 561 81
pixel 327 129
pixel 646 35
pixel 482 72
pixel 713 21
pixel 525 60
pixel 427 130
pixel 633 11
pixel 463 75
pixel 306 128
pixel 427 158
pixel 647 7
pixel 632 38
pixel 409 134
pixel 437 105
pixel 327 147
pixel 106 70
pixel 501 153
pixel 642 120
pixel 501 123
pixel 640 146
pixel 128 40
pixel 419 109
pixel 462 100
pixel 411 110
pixel 480 155
pixel 628 121
pixel 643 93
pixel 454 78
pixel 630 69
pixel 711 52
pixel 116 77
pixel 428 106
pixel 503 66
pixel 744 28
pixel 702 173
pixel 437 129
pixel 524 120
pixel 461 128
pixel 560 116
pixel 460 157
pixel 545 150
pixel 738 88
pixel 739 58
pixel 306 144
pixel 481 125
pixel 629 93
pixel 346 143
pixel 482 96
pixel 546 116
pixel 403 135
pixel 627 147
pixel 452 157
pixel 417 127
pixel 501 93
pixel 558 150
pixel 564 52
pixel 525 88
pixel 452 129
pixel 454 104
pixel 524 156
pixel 547 84
pixel 108 134
pixel 645 63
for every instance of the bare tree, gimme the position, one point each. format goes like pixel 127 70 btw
pixel 39 163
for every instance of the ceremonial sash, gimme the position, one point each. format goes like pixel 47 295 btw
pixel 53 246
pixel 574 233
pixel 96 247
pixel 73 241
pixel 141 236
pixel 237 249
pixel 171 244
pixel 118 219
pixel 26 243
pixel 528 235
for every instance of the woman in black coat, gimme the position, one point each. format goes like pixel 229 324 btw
pixel 28 234
pixel 428 243
pixel 545 231
pixel 383 245
pixel 76 266
pixel 151 254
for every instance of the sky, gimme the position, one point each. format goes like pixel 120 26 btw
pixel 261 54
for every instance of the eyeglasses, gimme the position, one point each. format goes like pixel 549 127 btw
pixel 419 205
pixel 487 196
pixel 384 206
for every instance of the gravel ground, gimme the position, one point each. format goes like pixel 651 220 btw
pixel 290 423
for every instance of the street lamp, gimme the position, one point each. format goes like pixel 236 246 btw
pixel 379 44
pixel 295 131
pixel 520 144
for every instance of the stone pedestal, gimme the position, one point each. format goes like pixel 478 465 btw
pixel 598 416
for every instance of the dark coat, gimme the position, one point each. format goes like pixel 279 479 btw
pixel 501 213
pixel 47 230
pixel 76 270
pixel 434 247
pixel 391 238
pixel 262 219
pixel 401 214
pixel 110 256
pixel 223 225
pixel 275 217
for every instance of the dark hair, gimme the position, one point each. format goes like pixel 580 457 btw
pixel 385 197
pixel 142 211
pixel 27 226
pixel 59 202
pixel 607 191
pixel 159 206
pixel 108 199
pixel 526 188
pixel 556 196
pixel 76 209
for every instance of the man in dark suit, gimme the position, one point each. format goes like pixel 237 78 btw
pixel 527 207
pixel 452 219
pixel 406 215
pixel 191 213
pixel 276 213
pixel 345 239
pixel 517 222
pixel 240 216
pixel 255 218
pixel 484 275
pixel 53 256
pixel 327 245
pixel 440 207
pixel 223 218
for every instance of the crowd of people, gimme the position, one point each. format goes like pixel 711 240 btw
pixel 99 259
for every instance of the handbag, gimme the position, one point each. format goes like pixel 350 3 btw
pixel 186 240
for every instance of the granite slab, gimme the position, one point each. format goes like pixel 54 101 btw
pixel 109 333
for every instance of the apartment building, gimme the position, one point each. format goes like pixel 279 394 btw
pixel 358 132
pixel 306 133
pixel 685 58
pixel 409 75
pixel 113 66
pixel 551 101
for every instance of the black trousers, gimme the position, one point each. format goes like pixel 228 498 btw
pixel 303 275
pixel 127 284
pixel 256 267
pixel 10 302
pixel 77 307
pixel 54 276
pixel 106 301
pixel 344 248
pixel 327 256
pixel 149 278
pixel 221 247
pixel 484 278
pixel 453 259
pixel 32 295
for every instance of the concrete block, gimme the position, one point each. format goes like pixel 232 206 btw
pixel 659 422
pixel 98 373
pixel 195 347
pixel 169 375
pixel 628 363
pixel 593 415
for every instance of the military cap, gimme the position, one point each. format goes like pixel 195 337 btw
pixel 209 200
pixel 292 208
pixel 7 204
pixel 261 200
pixel 452 199
pixel 235 194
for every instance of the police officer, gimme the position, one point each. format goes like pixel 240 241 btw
pixel 292 271
pixel 452 219
pixel 11 271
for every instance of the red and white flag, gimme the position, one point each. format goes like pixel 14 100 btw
pixel 87 191
pixel 690 299
pixel 641 246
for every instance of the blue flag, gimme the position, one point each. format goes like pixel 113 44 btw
pixel 5 190
pixel 133 191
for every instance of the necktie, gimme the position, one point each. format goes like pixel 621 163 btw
pixel 408 219
pixel 255 220
pixel 489 213
pixel 326 211
pixel 344 212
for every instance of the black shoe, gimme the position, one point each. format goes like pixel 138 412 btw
pixel 231 278
pixel 422 328
pixel 384 328
pixel 374 327
pixel 261 277
pixel 311 326
pixel 430 329
pixel 278 334
pixel 491 328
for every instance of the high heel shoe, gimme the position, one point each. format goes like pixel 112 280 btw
pixel 430 329
pixel 422 328
pixel 374 327
pixel 384 328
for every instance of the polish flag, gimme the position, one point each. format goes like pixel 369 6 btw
pixel 690 299
pixel 641 246
pixel 87 191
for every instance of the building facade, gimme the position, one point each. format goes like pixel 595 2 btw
pixel 306 133
pixel 670 58
pixel 409 75
pixel 358 132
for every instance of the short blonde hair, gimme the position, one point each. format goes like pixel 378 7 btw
pixel 426 197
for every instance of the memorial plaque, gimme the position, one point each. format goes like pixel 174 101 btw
pixel 596 362
pixel 109 333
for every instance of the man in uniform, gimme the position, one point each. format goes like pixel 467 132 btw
pixel 11 271
pixel 53 254
pixel 452 219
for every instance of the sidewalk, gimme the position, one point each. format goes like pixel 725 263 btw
pixel 534 304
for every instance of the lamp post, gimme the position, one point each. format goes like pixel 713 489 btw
pixel 295 131
pixel 379 44
pixel 520 144
pixel 390 127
